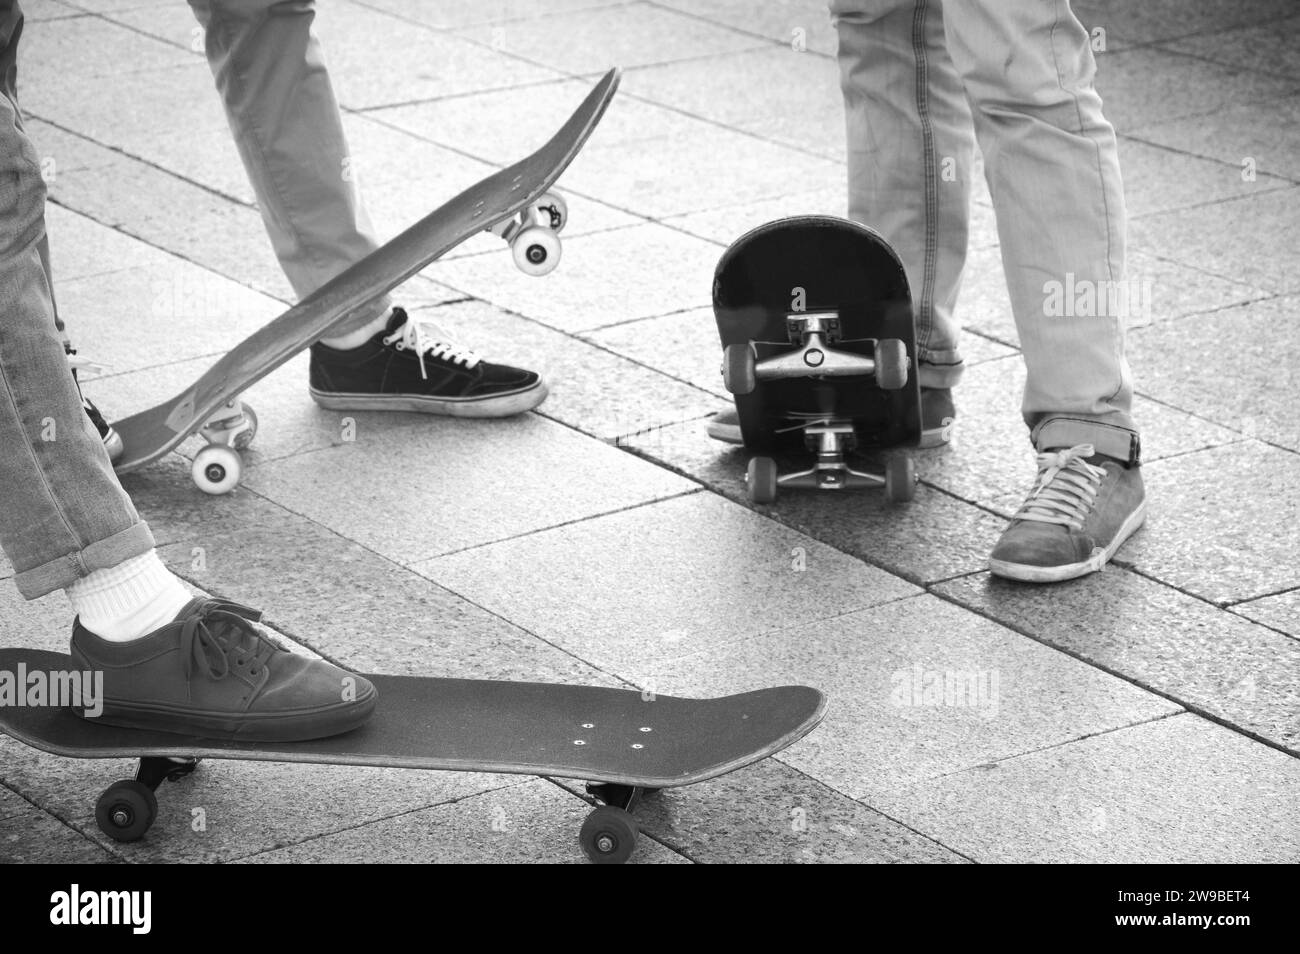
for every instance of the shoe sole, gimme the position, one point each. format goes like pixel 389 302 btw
pixel 280 727
pixel 1029 573
pixel 497 405
pixel 113 444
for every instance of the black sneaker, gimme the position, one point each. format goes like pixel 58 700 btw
pixel 937 417
pixel 411 366
pixel 112 440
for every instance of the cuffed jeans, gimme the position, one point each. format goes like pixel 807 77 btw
pixel 923 80
pixel 63 514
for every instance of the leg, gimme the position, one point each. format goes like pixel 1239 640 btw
pixel 1053 171
pixel 65 515
pixel 910 152
pixel 271 75
pixel 1052 165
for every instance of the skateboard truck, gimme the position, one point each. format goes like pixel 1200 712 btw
pixel 533 234
pixel 126 809
pixel 228 430
pixel 609 833
pixel 830 471
pixel 813 335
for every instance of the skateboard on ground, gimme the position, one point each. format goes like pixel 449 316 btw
pixel 514 204
pixel 625 744
pixel 819 352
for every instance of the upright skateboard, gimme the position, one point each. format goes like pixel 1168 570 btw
pixel 627 744
pixel 514 204
pixel 819 351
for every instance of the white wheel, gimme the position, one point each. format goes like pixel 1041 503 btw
pixel 536 250
pixel 216 469
pixel 552 204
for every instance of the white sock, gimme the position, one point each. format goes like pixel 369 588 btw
pixel 355 339
pixel 129 600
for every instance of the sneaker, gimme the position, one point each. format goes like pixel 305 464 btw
pixel 213 673
pixel 937 416
pixel 1082 508
pixel 112 440
pixel 411 366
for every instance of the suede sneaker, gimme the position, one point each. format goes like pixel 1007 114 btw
pixel 937 416
pixel 411 366
pixel 1082 508
pixel 212 673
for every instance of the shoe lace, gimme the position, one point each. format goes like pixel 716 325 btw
pixel 426 338
pixel 218 630
pixel 1066 488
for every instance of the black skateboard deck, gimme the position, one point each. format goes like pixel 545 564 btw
pixel 627 742
pixel 513 203
pixel 819 350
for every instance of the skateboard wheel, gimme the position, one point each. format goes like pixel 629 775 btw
pixel 216 469
pixel 536 250
pixel 891 363
pixel 608 836
pixel 761 480
pixel 552 205
pixel 126 810
pixel 245 437
pixel 900 479
pixel 738 368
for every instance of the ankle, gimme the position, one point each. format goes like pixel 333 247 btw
pixel 349 340
pixel 129 600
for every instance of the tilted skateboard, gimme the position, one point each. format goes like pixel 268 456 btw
pixel 514 204
pixel 625 743
pixel 819 352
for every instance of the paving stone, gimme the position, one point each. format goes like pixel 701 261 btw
pixel 1220 553
pixel 602 279
pixel 881 731
pixel 230 809
pixel 591 389
pixel 445 14
pixel 663 582
pixel 1252 240
pixel 531 823
pixel 591 41
pixel 788 22
pixel 1236 366
pixel 180 217
pixel 1140 87
pixel 934 537
pixel 769 813
pixel 1175 791
pixel 775 93
pixel 452 484
pixel 1129 24
pixel 31 836
pixel 76 49
pixel 990 460
pixel 35 11
pixel 360 610
pixel 45 623
pixel 1231 669
pixel 160 313
pixel 1261 134
pixel 80 247
pixel 724 224
pixel 1161 179
pixel 683 344
pixel 1281 611
pixel 1267 48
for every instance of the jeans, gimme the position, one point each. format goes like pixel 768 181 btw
pixel 923 81
pixel 63 514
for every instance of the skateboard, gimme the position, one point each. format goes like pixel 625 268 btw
pixel 819 353
pixel 625 744
pixel 515 204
